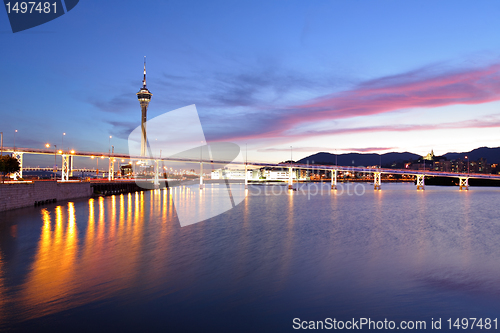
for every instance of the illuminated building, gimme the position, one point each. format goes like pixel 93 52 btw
pixel 144 96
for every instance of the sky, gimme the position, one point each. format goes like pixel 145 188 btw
pixel 334 76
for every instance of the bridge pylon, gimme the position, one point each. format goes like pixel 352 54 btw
pixel 156 182
pixel 246 177
pixel 334 179
pixel 66 167
pixel 420 182
pixel 201 176
pixel 111 169
pixel 464 183
pixel 377 180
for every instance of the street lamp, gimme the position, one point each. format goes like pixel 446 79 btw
pixel 15 140
pixel 468 165
pixel 62 141
pixel 55 158
pixel 1 143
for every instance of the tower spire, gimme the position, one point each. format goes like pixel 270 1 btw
pixel 144 80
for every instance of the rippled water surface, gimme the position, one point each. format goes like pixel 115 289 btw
pixel 123 262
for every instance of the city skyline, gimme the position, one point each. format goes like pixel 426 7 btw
pixel 324 77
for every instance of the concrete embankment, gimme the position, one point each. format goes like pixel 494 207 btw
pixel 18 195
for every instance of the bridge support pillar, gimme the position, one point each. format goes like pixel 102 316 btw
pixel 201 175
pixel 19 157
pixel 111 169
pixel 71 165
pixel 420 182
pixel 65 170
pixel 246 177
pixel 334 179
pixel 464 183
pixel 290 178
pixel 377 180
pixel 156 182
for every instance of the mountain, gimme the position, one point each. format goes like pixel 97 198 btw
pixel 492 155
pixel 357 159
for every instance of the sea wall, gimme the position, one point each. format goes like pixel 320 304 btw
pixel 14 195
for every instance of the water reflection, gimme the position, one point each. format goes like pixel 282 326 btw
pixel 3 296
pixel 285 252
pixel 52 274
pixel 55 280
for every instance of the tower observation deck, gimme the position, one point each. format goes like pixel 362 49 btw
pixel 144 96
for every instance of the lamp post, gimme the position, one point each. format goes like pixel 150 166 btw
pixel 468 165
pixel 109 145
pixel 62 141
pixel 55 159
pixel 15 140
pixel 1 142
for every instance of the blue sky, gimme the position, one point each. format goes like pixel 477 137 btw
pixel 316 75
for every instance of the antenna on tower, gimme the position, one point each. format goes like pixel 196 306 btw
pixel 144 80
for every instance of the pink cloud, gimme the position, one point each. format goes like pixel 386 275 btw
pixel 423 88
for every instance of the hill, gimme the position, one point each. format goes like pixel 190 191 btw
pixel 357 159
pixel 492 155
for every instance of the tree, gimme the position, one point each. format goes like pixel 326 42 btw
pixel 8 164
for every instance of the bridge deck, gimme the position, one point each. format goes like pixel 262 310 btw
pixel 257 164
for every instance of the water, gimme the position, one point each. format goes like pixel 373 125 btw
pixel 123 262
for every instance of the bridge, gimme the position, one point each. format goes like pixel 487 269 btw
pixel 57 169
pixel 67 163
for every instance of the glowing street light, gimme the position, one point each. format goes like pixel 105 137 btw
pixel 109 146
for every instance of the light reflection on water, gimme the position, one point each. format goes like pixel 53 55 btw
pixel 395 253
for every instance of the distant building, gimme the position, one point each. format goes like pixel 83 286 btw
pixel 279 175
pixel 441 163
pixel 430 156
pixel 235 174
pixel 272 174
